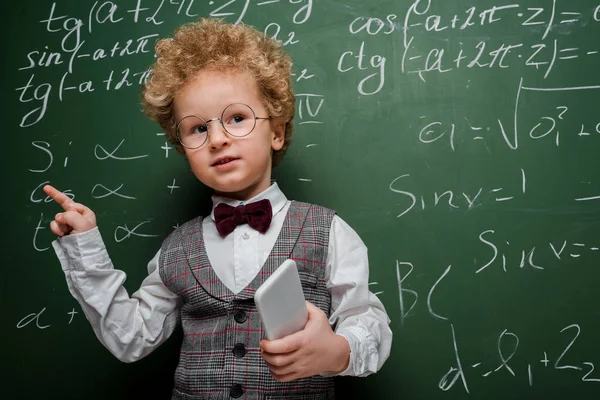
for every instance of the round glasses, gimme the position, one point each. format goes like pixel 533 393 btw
pixel 237 119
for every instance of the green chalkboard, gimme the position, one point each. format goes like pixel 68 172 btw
pixel 459 138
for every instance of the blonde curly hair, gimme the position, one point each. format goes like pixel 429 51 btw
pixel 213 44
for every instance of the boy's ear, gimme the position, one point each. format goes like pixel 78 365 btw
pixel 278 133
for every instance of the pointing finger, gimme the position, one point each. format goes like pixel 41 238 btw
pixel 80 208
pixel 65 202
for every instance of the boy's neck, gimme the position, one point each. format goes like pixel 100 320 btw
pixel 244 196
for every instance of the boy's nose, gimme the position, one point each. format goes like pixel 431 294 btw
pixel 217 136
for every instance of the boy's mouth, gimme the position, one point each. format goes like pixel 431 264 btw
pixel 223 161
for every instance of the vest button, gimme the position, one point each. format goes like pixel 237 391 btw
pixel 240 316
pixel 239 350
pixel 236 391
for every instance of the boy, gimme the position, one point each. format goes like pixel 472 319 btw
pixel 223 95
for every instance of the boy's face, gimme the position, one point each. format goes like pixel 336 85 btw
pixel 236 167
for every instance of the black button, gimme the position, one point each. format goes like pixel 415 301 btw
pixel 240 316
pixel 236 391
pixel 239 350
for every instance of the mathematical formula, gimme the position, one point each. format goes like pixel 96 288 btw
pixel 509 339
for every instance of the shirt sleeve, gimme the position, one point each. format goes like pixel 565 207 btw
pixel 129 327
pixel 357 314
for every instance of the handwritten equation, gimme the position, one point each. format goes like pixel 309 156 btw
pixel 421 23
pixel 507 346
pixel 75 51
pixel 550 127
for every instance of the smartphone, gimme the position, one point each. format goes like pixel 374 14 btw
pixel 280 302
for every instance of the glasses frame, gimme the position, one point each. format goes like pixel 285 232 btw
pixel 222 125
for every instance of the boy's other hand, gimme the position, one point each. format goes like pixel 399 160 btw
pixel 313 350
pixel 76 218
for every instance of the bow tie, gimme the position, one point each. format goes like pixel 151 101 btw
pixel 257 215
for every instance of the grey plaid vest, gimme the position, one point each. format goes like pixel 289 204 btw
pixel 220 354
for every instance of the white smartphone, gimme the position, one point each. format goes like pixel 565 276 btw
pixel 280 302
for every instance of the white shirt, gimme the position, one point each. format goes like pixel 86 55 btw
pixel 132 327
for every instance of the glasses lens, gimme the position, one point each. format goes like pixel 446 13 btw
pixel 238 119
pixel 192 132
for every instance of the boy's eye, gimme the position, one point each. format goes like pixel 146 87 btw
pixel 200 129
pixel 236 119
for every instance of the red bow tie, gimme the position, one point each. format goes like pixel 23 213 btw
pixel 257 215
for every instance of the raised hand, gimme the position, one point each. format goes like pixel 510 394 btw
pixel 76 218
pixel 313 350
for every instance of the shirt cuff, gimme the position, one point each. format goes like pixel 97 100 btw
pixel 81 249
pixel 363 352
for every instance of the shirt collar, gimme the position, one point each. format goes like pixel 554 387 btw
pixel 272 193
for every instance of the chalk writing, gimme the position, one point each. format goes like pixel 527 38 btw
pixel 35 319
pixel 507 346
pixel 123 232
pixel 453 198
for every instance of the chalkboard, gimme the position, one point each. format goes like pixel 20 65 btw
pixel 459 138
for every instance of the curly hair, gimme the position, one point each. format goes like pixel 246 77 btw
pixel 213 44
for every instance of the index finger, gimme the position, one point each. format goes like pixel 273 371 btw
pixel 58 196
pixel 284 345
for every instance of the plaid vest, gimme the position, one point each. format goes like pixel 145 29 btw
pixel 220 354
